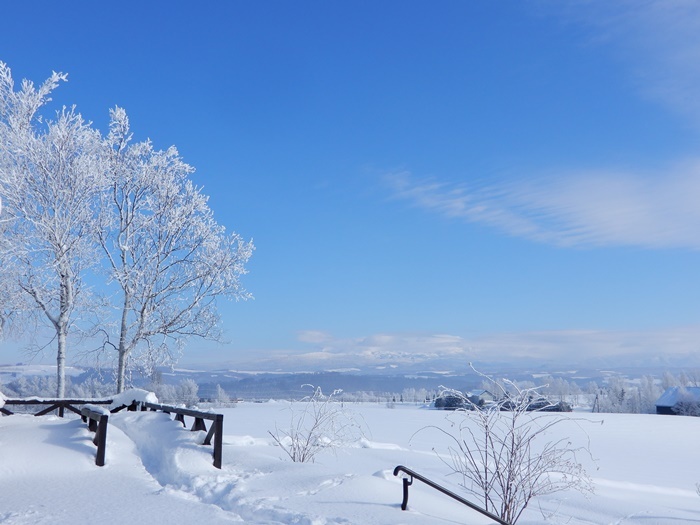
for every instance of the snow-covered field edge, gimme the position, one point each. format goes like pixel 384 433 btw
pixel 642 468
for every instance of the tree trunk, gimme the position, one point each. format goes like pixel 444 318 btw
pixel 61 366
pixel 123 350
pixel 121 372
pixel 66 303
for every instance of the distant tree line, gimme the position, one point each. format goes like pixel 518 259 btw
pixel 615 394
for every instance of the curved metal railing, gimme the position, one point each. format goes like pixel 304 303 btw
pixel 414 475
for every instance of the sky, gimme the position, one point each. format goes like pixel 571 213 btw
pixel 423 181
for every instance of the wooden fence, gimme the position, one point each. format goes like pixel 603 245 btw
pixel 215 433
pixel 60 405
pixel 97 418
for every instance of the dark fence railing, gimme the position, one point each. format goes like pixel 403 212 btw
pixel 414 475
pixel 215 434
pixel 97 418
pixel 61 405
pixel 95 415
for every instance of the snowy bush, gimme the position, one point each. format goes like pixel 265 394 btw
pixel 503 453
pixel 322 423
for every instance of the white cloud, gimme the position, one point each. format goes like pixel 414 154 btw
pixel 403 352
pixel 573 346
pixel 588 208
pixel 658 41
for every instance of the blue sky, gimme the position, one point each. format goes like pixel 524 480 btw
pixel 423 181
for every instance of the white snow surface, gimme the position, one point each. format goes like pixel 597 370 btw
pixel 644 468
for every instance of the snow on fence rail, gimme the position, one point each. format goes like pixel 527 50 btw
pixel 414 475
pixel 97 418
pixel 54 404
pixel 216 432
pixel 93 415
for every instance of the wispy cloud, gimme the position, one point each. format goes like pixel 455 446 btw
pixel 592 208
pixel 397 348
pixel 404 352
pixel 658 41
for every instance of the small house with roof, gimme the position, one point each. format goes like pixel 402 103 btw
pixel 679 400
pixel 481 397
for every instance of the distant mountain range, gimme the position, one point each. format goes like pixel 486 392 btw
pixel 379 382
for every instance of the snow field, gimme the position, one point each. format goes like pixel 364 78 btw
pixel 643 468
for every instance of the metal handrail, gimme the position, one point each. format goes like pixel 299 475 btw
pixel 415 475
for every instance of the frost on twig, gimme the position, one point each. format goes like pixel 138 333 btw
pixel 507 453
pixel 322 423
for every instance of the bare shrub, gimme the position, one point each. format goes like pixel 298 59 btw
pixel 506 453
pixel 323 423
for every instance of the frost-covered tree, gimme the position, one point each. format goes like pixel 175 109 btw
pixel 50 182
pixel 187 392
pixel 168 256
pixel 221 397
pixel 693 377
pixel 668 380
pixel 649 393
pixel 164 392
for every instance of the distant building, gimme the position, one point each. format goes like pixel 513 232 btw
pixel 679 401
pixel 481 397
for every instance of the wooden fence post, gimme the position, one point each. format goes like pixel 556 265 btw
pixel 218 439
pixel 101 440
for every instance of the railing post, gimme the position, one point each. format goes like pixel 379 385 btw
pixel 97 422
pixel 199 424
pixel 218 439
pixel 415 475
pixel 406 484
pixel 101 440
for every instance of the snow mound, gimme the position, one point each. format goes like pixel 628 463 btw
pixel 246 441
pixel 132 395
pixel 97 408
pixel 366 443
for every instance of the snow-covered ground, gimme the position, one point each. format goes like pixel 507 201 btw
pixel 644 468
